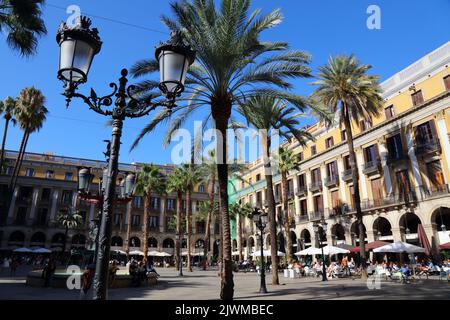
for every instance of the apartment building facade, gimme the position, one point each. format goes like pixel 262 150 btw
pixel 47 185
pixel 403 160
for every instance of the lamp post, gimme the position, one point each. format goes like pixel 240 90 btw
pixel 320 229
pixel 78 46
pixel 260 220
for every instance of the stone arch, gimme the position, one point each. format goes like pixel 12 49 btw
pixel 382 229
pixel 169 243
pixel 152 242
pixel 16 238
pixel 440 219
pixel 58 238
pixel 251 243
pixel 38 239
pixel 117 241
pixel 305 239
pixel 338 233
pixel 281 242
pixel 79 240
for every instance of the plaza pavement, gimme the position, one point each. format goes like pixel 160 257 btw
pixel 204 285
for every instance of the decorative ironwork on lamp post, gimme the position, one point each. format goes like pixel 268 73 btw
pixel 260 219
pixel 320 229
pixel 78 47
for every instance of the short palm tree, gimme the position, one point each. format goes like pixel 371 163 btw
pixel 31 115
pixel 149 180
pixel 345 88
pixel 268 114
pixel 7 109
pixel 239 212
pixel 22 21
pixel 193 175
pixel 233 64
pixel 68 219
pixel 176 182
pixel 287 162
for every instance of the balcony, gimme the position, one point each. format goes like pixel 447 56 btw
pixel 423 148
pixel 301 191
pixel 394 159
pixel 347 175
pixel 332 181
pixel 290 195
pixel 434 191
pixel 315 186
pixel 136 228
pixel 301 218
pixel 392 200
pixel 316 215
pixel 372 167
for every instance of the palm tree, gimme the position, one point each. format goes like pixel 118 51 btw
pixel 177 183
pixel 22 21
pixel 31 115
pixel 68 219
pixel 268 114
pixel 345 88
pixel 287 162
pixel 232 65
pixel 149 180
pixel 239 212
pixel 7 108
pixel 193 176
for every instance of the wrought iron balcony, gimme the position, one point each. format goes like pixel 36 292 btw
pixel 332 181
pixel 301 218
pixel 315 186
pixel 347 175
pixel 372 167
pixel 423 148
pixel 393 159
pixel 316 215
pixel 301 191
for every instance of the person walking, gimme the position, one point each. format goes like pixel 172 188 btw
pixel 344 264
pixel 49 270
pixel 86 281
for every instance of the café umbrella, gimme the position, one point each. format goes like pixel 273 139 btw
pixel 399 247
pixel 23 250
pixel 267 253
pixel 42 250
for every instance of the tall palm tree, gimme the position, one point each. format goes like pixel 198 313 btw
pixel 239 212
pixel 8 109
pixel 287 162
pixel 267 114
pixel 68 219
pixel 149 180
pixel 232 65
pixel 193 176
pixel 22 21
pixel 176 182
pixel 345 88
pixel 31 115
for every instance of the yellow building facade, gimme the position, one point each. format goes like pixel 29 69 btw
pixel 403 160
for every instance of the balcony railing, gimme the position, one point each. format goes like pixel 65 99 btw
pixel 393 159
pixel 332 181
pixel 301 218
pixel 315 186
pixel 347 175
pixel 301 191
pixel 372 167
pixel 426 147
pixel 316 215
pixel 434 191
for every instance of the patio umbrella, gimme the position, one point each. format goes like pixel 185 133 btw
pixel 445 246
pixel 136 253
pixel 267 253
pixel 164 254
pixel 371 246
pixel 153 253
pixel 235 253
pixel 311 251
pixel 120 252
pixel 332 250
pixel 400 247
pixel 42 250
pixel 346 247
pixel 23 250
pixel 423 239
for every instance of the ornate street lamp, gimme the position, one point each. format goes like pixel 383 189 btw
pixel 260 219
pixel 320 230
pixel 84 180
pixel 78 47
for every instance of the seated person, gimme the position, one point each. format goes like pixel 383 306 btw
pixel 405 272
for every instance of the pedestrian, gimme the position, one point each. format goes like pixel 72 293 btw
pixel 344 264
pixel 13 266
pixel 86 281
pixel 49 269
pixel 6 264
pixel 113 268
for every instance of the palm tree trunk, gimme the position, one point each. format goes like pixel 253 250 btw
pixel 271 207
pixel 208 222
pixel 188 228
pixel 357 197
pixel 127 248
pixel 147 203
pixel 239 232
pixel 66 233
pixel 179 229
pixel 287 224
pixel 19 156
pixel 5 132
pixel 221 113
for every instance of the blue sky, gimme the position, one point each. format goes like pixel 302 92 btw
pixel 409 30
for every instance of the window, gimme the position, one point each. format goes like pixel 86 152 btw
pixel 329 142
pixel 153 222
pixel 250 181
pixel 395 147
pixel 332 170
pixel 365 124
pixel 301 181
pixel 117 219
pixel 313 150
pixel 343 135
pixel 389 112
pixel 201 188
pixel 136 220
pixel 42 216
pixel 371 154
pixel 435 176
pixel 447 82
pixel 49 174
pixel 403 185
pixel 300 156
pixel 425 132
pixel 45 196
pixel 21 215
pixel 258 177
pixel 315 176
pixel 137 202
pixel 290 187
pixel 9 170
pixel 29 172
pixel 66 196
pixel 68 176
pixel 303 207
pixel 347 165
pixel 259 198
pixel 155 203
pixel 417 98
pixel 335 202
pixel 171 204
pixel 377 191
pixel 318 204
